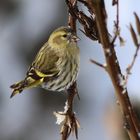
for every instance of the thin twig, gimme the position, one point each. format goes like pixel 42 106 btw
pixel 129 68
pixel 137 45
pixel 117 28
pixel 98 64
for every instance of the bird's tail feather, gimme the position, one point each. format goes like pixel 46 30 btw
pixel 27 83
pixel 17 88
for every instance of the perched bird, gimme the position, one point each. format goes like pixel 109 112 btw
pixel 55 66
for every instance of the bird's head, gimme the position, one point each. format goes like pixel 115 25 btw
pixel 62 37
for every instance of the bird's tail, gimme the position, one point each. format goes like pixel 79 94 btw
pixel 27 83
pixel 18 88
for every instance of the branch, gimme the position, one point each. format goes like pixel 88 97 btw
pixel 98 64
pixel 70 123
pixel 129 68
pixel 88 23
pixel 117 28
pixel 116 25
pixel 114 70
pixel 136 43
pixel 72 19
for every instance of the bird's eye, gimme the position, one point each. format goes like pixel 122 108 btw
pixel 65 35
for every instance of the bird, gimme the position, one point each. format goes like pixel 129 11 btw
pixel 56 65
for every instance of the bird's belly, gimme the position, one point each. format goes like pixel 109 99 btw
pixel 66 77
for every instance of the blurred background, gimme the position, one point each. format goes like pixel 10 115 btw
pixel 24 27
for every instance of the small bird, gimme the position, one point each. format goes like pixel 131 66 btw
pixel 56 65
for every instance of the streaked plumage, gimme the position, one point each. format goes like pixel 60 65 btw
pixel 56 65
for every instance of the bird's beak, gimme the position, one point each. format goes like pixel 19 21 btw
pixel 75 38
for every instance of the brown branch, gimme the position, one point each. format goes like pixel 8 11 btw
pixel 71 19
pixel 114 70
pixel 99 64
pixel 70 124
pixel 88 23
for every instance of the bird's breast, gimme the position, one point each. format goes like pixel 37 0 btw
pixel 68 65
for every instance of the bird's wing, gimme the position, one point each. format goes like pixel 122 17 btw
pixel 44 64
pixel 42 69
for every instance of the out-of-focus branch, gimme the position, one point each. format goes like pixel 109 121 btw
pixel 114 71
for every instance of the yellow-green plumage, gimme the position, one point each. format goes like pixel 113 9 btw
pixel 56 65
